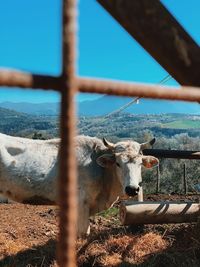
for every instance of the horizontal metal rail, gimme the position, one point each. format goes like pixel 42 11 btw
pixel 110 87
pixel 14 78
pixel 184 93
pixel 174 154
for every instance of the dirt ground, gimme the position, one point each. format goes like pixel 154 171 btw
pixel 28 236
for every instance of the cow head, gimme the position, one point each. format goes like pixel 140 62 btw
pixel 127 159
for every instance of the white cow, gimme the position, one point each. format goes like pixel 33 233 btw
pixel 107 171
pixel 28 172
pixel 28 169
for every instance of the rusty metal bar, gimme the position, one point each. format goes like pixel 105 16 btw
pixel 153 26
pixel 67 181
pixel 185 93
pixel 174 154
pixel 27 80
pixel 13 78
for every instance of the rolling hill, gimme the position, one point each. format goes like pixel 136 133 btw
pixel 21 124
pixel 123 125
pixel 48 109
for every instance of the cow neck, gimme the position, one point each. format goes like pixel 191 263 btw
pixel 112 186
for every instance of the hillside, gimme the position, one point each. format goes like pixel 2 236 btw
pixel 32 108
pixel 135 126
pixel 21 124
pixel 123 125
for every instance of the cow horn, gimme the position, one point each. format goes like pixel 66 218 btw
pixel 147 144
pixel 108 144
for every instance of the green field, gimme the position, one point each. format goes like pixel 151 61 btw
pixel 182 124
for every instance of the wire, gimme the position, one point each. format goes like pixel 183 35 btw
pixel 135 100
pixel 165 79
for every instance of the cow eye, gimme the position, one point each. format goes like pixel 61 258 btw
pixel 118 165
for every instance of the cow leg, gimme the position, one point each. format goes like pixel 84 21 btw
pixel 83 220
pixel 140 195
pixel 88 230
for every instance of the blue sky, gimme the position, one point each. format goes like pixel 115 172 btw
pixel 30 35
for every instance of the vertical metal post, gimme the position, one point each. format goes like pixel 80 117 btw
pixel 185 180
pixel 140 195
pixel 67 181
pixel 158 180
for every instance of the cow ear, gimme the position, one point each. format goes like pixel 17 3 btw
pixel 149 161
pixel 106 160
pixel 147 144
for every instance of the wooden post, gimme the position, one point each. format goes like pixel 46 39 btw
pixel 134 213
pixel 184 180
pixel 158 180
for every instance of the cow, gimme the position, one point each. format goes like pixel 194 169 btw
pixel 28 169
pixel 106 171
pixel 29 172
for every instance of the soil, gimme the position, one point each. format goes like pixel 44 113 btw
pixel 28 236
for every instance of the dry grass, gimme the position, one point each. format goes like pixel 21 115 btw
pixel 120 249
pixel 11 247
pixel 147 245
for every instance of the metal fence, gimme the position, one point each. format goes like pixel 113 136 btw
pixel 151 24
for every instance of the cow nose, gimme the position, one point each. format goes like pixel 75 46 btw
pixel 131 191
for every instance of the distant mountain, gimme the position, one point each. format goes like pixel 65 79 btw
pixel 32 108
pixel 108 104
